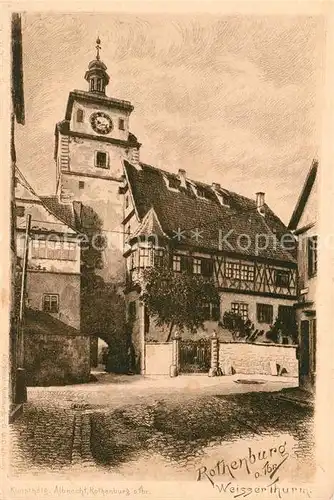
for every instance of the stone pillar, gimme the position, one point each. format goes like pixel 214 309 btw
pixel 174 368
pixel 214 369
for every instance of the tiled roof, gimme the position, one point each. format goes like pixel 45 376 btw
pixel 150 225
pixel 62 211
pixel 180 208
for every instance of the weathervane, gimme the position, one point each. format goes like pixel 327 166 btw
pixel 98 48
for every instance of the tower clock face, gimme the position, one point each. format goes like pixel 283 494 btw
pixel 101 122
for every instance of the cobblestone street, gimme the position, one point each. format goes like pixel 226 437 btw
pixel 157 434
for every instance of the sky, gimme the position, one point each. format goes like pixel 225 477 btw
pixel 230 99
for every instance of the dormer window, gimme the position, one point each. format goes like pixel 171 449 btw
pixel 80 115
pixel 222 196
pixel 200 192
pixel 172 183
pixel 223 199
pixel 101 159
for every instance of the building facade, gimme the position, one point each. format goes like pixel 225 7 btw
pixel 55 349
pixel 53 277
pixel 304 224
pixel 207 230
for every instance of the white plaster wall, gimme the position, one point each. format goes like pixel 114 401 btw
pixel 257 358
pixel 227 298
pixel 158 358
pixel 90 108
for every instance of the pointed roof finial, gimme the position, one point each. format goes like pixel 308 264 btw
pixel 98 48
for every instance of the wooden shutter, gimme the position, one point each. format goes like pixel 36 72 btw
pixel 186 263
pixel 309 256
pixel 207 267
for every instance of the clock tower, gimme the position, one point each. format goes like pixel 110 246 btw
pixel 90 145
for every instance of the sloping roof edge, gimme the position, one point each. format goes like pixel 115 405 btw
pixel 304 195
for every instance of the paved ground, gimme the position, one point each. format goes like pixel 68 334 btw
pixel 130 427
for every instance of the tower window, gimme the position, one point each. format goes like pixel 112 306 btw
pixel 99 84
pixel 101 159
pixel 121 124
pixel 96 84
pixel 81 185
pixel 80 115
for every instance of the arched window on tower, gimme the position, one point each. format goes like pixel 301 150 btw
pixel 99 85
pixel 80 115
pixel 96 85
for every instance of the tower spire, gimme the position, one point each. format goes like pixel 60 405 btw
pixel 98 48
pixel 97 75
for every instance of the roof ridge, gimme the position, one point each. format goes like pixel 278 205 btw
pixel 174 174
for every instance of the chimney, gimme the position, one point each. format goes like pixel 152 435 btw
pixel 182 176
pixel 259 200
pixel 215 186
pixel 260 203
pixel 133 156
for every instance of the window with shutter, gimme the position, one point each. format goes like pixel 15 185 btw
pixel 207 267
pixel 312 256
pixel 186 264
pixel 265 313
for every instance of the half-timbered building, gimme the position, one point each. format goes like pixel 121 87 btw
pixel 208 230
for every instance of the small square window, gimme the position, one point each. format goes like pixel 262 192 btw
pixel 121 124
pixel 81 185
pixel 101 159
pixel 19 211
pixel 51 303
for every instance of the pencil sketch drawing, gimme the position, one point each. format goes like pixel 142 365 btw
pixel 164 246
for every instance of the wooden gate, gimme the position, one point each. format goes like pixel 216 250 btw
pixel 195 356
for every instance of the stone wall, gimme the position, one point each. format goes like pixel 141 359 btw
pixel 158 358
pixel 56 359
pixel 260 359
